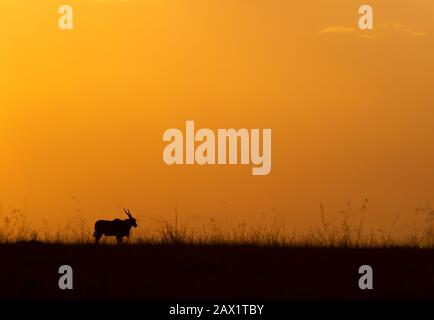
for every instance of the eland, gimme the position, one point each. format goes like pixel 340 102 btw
pixel 118 228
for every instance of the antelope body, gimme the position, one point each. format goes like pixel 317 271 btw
pixel 118 228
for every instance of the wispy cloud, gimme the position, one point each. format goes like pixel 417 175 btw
pixel 401 29
pixel 336 29
pixel 380 30
pixel 110 0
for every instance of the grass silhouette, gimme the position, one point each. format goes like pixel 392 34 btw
pixel 174 259
pixel 346 230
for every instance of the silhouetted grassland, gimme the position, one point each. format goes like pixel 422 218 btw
pixel 173 260
pixel 346 230
pixel 176 271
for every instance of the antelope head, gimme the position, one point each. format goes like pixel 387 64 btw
pixel 132 221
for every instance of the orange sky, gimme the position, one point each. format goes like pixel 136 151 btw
pixel 82 112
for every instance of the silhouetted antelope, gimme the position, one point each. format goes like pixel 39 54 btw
pixel 118 228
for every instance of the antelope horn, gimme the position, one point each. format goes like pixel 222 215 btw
pixel 128 214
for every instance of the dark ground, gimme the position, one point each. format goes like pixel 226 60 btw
pixel 30 271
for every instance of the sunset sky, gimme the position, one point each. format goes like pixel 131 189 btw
pixel 83 111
